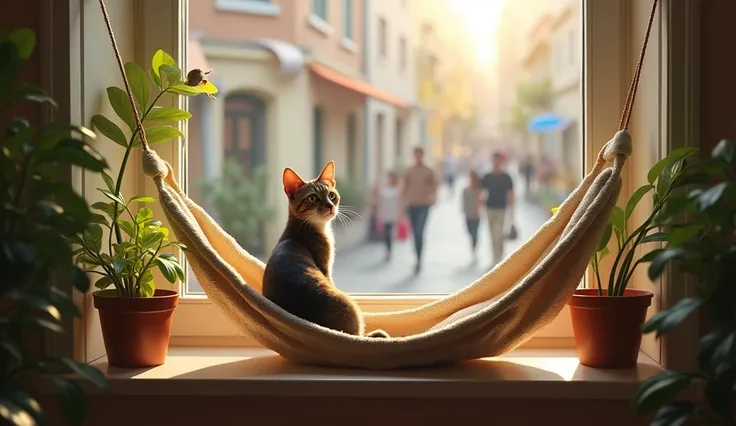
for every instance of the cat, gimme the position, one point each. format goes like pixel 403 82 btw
pixel 298 275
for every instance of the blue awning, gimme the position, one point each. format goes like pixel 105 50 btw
pixel 547 123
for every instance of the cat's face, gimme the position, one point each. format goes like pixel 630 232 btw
pixel 315 201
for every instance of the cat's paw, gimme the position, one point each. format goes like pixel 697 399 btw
pixel 378 334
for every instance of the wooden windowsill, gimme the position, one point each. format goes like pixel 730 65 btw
pixel 523 373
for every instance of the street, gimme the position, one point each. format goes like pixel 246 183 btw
pixel 446 266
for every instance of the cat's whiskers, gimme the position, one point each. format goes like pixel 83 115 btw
pixel 344 219
pixel 350 210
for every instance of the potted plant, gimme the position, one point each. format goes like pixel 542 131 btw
pixel 135 316
pixel 703 244
pixel 38 212
pixel 607 320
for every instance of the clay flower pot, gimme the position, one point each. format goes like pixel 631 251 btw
pixel 608 329
pixel 136 331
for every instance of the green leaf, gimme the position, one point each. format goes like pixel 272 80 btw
pixel 143 214
pixel 714 349
pixel 675 414
pixel 649 256
pixel 656 237
pixel 711 196
pixel 79 279
pixel 104 282
pixel 683 234
pixel 48 325
pixel 128 227
pixel 25 401
pixel 139 85
pixel 64 303
pixel 657 169
pixel 167 269
pixel 724 349
pixel 87 372
pixel 152 239
pixel 142 199
pixel 12 348
pixel 186 90
pixel 121 105
pixel 618 221
pixel 664 321
pixel 147 288
pixel 116 198
pixel 658 390
pixel 73 401
pixel 14 413
pixel 725 150
pixel 25 42
pixel 605 237
pixel 119 265
pixel 168 114
pixel 109 129
pixel 660 262
pixel 78 153
pixel 159 134
pixel 635 198
pixel 109 183
pixel 161 58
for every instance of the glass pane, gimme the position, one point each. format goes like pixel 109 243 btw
pixel 489 90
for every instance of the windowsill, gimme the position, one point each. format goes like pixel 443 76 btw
pixel 250 7
pixel 548 374
pixel 320 25
pixel 349 45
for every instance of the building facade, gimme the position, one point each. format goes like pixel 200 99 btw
pixel 292 93
pixel 391 128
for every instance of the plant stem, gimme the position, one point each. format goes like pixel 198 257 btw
pixel 145 268
pixel 638 232
pixel 597 274
pixel 123 165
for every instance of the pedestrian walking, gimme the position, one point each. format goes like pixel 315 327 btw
pixel 419 193
pixel 472 198
pixel 499 189
pixel 389 204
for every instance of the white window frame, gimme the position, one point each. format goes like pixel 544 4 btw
pixel 607 71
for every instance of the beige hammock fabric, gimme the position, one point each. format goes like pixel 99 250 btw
pixel 493 315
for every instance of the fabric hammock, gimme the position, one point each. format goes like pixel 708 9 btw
pixel 493 315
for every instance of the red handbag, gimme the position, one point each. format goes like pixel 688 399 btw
pixel 402 229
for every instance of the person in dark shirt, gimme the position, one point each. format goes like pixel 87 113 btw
pixel 499 189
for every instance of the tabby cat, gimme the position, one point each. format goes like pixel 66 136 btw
pixel 298 275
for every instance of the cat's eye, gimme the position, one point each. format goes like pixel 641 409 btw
pixel 312 198
pixel 332 196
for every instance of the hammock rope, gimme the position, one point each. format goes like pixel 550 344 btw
pixel 493 315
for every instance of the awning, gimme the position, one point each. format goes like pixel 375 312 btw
pixel 357 85
pixel 547 123
pixel 196 57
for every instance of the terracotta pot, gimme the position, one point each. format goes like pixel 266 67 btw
pixel 608 329
pixel 136 331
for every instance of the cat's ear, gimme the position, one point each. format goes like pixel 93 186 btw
pixel 328 174
pixel 292 182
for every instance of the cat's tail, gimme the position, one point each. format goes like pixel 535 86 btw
pixel 378 334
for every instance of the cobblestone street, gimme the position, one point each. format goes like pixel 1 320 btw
pixel 446 266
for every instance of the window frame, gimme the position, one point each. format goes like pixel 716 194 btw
pixel 382 37
pixel 348 20
pixel 313 10
pixel 606 75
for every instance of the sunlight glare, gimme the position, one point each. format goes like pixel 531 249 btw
pixel 480 18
